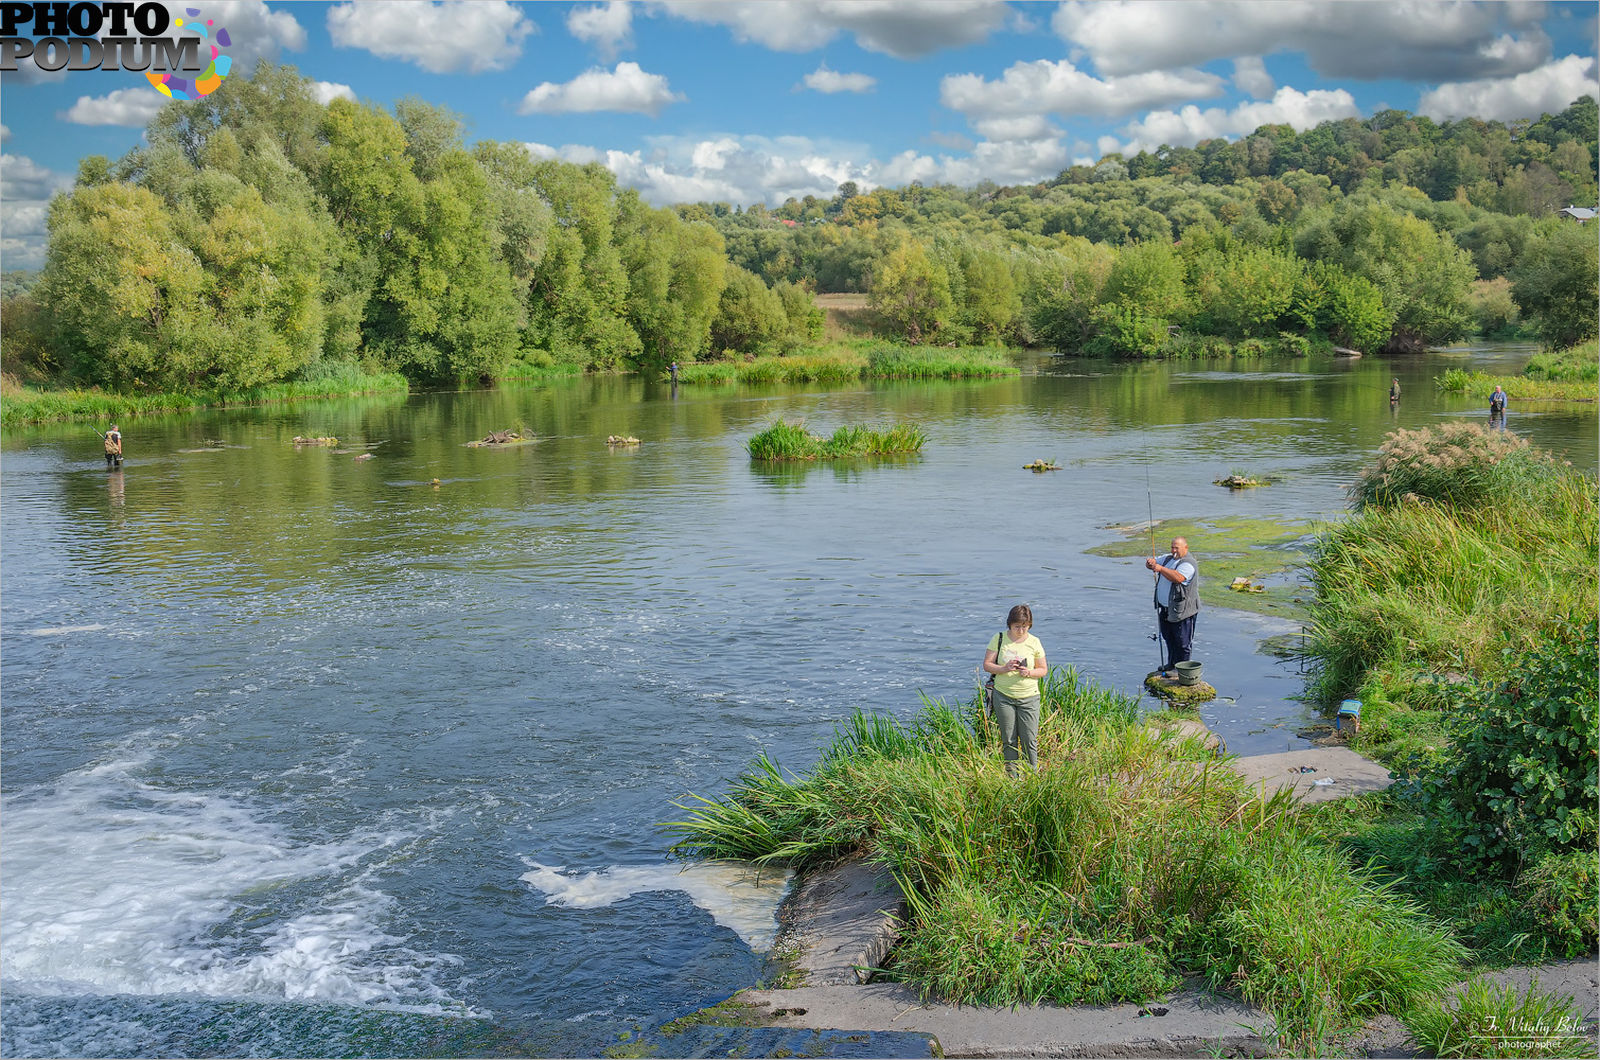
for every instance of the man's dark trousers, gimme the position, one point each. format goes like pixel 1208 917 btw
pixel 1179 638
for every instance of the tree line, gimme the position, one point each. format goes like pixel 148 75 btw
pixel 259 235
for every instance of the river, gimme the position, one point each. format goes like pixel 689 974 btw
pixel 305 754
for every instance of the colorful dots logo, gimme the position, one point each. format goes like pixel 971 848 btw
pixel 174 87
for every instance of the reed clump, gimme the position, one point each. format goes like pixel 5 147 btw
pixel 1455 464
pixel 791 441
pixel 851 362
pixel 1129 860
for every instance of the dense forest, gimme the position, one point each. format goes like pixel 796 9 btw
pixel 259 235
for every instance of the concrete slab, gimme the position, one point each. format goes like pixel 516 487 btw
pixel 1188 1024
pixel 840 923
pixel 1350 773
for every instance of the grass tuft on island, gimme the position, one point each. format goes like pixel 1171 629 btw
pixel 791 441
pixel 21 405
pixel 855 361
pixel 1130 860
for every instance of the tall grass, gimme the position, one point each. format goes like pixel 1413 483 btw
pixel 24 405
pixel 790 441
pixel 1127 860
pixel 1501 1021
pixel 1464 539
pixel 848 362
pixel 1457 464
pixel 921 362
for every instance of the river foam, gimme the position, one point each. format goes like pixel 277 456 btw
pixel 116 886
pixel 739 896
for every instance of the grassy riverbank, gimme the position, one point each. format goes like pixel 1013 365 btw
pixel 21 405
pixel 1458 605
pixel 1565 375
pixel 851 361
pixel 1128 861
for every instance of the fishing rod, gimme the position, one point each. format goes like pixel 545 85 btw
pixel 1150 502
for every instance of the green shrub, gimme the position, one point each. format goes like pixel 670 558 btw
pixel 1559 893
pixel 1522 777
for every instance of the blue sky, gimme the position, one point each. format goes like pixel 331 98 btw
pixel 745 102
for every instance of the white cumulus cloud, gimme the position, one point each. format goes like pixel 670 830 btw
pixel 1546 90
pixel 829 81
pixel 132 107
pixel 1250 75
pixel 1410 39
pixel 25 191
pixel 627 88
pixel 23 179
pixel 749 169
pixel 1189 125
pixel 1044 86
pixel 905 29
pixel 608 26
pixel 441 36
pixel 326 92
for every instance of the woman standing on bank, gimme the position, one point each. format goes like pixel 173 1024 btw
pixel 1016 659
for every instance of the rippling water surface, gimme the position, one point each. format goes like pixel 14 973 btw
pixel 305 755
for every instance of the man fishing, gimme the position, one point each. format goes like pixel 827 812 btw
pixel 1177 599
pixel 113 440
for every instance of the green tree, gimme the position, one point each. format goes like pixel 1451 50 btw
pixel 578 306
pixel 1556 285
pixel 911 292
pixel 750 317
pixel 991 305
pixel 1425 278
pixel 675 278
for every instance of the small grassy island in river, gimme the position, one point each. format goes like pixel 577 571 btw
pixel 791 441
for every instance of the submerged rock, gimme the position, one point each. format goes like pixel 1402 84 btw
pixel 1170 688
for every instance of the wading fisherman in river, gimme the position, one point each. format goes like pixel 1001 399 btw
pixel 113 440
pixel 1177 600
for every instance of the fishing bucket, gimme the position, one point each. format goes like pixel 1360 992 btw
pixel 1188 673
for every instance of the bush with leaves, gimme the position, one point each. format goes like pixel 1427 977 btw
pixel 1520 782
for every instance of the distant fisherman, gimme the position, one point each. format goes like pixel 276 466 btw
pixel 1497 404
pixel 1394 392
pixel 113 439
